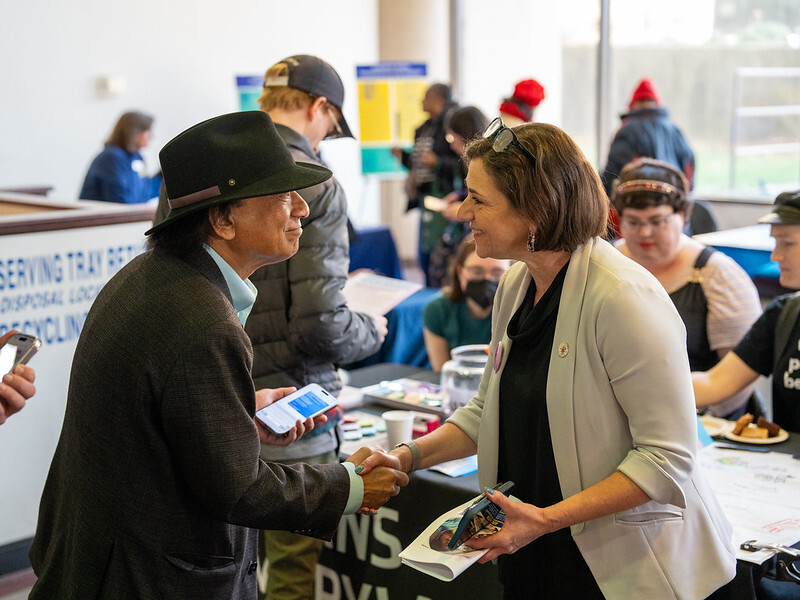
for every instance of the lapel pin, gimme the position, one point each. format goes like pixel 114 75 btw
pixel 498 356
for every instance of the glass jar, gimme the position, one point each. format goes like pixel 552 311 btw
pixel 461 375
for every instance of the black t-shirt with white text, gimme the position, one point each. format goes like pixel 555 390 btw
pixel 757 349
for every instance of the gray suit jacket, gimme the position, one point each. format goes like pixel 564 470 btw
pixel 156 488
pixel 619 398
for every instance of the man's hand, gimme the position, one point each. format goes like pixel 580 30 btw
pixel 382 325
pixel 428 158
pixel 265 397
pixel 15 387
pixel 383 481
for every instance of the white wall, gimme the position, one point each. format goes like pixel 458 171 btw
pixel 506 41
pixel 179 60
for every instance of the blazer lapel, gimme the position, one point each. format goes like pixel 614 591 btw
pixel 561 377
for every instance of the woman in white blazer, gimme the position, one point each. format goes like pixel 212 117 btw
pixel 586 402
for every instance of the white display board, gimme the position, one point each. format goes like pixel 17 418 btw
pixel 48 281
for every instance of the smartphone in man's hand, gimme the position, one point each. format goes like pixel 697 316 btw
pixel 309 401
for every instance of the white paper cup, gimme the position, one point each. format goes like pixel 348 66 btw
pixel 399 426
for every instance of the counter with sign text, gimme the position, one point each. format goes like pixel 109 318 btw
pixel 55 257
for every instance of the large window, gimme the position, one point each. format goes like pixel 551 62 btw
pixel 727 70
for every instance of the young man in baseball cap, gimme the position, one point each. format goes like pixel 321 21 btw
pixel 302 329
pixel 772 346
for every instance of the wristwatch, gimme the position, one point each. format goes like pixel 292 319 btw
pixel 416 457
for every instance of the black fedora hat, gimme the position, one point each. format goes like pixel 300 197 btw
pixel 785 211
pixel 230 157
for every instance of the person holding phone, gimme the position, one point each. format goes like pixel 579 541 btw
pixel 586 401
pixel 16 386
pixel 156 489
pixel 301 326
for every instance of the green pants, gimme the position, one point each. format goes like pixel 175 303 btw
pixel 291 559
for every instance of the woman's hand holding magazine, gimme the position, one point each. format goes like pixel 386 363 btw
pixel 440 550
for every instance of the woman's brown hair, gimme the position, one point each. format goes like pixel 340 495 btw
pixel 560 192
pixel 129 125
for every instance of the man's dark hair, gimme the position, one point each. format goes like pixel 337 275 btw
pixel 443 91
pixel 188 234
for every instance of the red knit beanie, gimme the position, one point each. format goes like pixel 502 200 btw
pixel 644 91
pixel 528 93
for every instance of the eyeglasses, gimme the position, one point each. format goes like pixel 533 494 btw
pixel 654 224
pixel 337 129
pixel 502 137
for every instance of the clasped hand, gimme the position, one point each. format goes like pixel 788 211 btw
pixel 382 481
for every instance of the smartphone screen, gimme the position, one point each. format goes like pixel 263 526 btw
pixel 309 401
pixel 19 348
pixel 8 356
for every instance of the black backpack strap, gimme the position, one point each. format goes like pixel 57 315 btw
pixel 785 324
pixel 703 257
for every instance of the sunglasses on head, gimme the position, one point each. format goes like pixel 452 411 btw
pixel 502 137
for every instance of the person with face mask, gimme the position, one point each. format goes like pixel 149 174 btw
pixel 461 313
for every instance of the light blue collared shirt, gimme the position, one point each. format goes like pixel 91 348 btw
pixel 243 294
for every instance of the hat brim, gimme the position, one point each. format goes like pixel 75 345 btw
pixel 301 176
pixel 782 215
pixel 345 130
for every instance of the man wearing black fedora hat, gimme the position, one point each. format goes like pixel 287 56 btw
pixel 156 489
pixel 772 346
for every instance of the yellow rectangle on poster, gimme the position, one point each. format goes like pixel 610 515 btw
pixel 408 99
pixel 374 111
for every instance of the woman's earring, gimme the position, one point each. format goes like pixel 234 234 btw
pixel 531 241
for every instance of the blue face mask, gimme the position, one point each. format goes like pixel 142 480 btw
pixel 482 291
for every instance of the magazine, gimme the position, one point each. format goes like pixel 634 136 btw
pixel 375 294
pixel 439 551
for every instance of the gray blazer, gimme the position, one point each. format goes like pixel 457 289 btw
pixel 156 489
pixel 619 397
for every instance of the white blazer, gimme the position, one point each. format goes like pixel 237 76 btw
pixel 619 398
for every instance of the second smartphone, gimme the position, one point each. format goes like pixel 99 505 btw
pixel 18 350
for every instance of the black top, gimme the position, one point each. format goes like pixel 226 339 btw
pixel 757 350
pixel 551 566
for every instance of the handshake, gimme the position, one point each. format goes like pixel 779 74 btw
pixel 383 476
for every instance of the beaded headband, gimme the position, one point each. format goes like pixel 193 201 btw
pixel 645 185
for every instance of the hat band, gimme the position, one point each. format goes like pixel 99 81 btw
pixel 195 197
pixel 645 185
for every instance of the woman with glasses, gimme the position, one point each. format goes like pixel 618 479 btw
pixel 716 299
pixel 586 402
pixel 461 313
